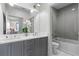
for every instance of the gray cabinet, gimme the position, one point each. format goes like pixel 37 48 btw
pixel 33 47
pixel 16 48
pixel 36 47
pixel 29 47
pixel 43 46
pixel 4 49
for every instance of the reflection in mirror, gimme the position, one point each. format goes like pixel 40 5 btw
pixel 18 19
pixel 14 24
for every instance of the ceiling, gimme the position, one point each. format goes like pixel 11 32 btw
pixel 59 5
pixel 30 5
pixel 27 5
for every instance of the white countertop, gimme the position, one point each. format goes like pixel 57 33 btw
pixel 19 37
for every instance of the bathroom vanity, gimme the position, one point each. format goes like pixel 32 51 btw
pixel 17 21
pixel 32 46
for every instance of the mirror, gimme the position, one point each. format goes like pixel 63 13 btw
pixel 18 19
pixel 14 24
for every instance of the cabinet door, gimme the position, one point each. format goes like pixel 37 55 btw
pixel 16 48
pixel 36 47
pixel 4 49
pixel 28 47
pixel 43 45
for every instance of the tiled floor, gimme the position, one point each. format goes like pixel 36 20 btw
pixel 61 53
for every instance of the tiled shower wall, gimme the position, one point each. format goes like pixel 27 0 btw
pixel 67 22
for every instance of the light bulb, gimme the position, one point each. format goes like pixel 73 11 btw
pixel 11 4
pixel 73 9
pixel 38 4
pixel 31 11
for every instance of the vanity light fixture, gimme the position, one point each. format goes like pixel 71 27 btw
pixel 73 9
pixel 38 4
pixel 31 10
pixel 12 4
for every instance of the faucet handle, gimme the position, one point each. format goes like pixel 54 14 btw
pixel 14 35
pixel 35 33
pixel 6 36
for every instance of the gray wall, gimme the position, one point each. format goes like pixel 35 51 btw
pixel 67 22
pixel 53 21
pixel 1 19
pixel 41 21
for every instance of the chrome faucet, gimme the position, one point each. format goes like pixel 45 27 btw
pixel 14 36
pixel 35 33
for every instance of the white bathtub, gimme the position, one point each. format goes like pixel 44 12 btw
pixel 69 46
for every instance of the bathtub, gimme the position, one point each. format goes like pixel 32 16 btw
pixel 68 46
